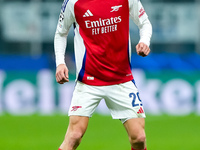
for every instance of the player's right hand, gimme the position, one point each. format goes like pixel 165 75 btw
pixel 62 74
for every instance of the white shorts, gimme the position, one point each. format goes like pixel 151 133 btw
pixel 122 100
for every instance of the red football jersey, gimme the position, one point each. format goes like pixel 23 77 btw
pixel 102 46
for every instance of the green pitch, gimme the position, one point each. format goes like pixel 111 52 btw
pixel 47 132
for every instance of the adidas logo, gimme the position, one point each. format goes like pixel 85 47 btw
pixel 140 111
pixel 88 13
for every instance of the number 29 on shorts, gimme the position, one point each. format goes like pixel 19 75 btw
pixel 135 96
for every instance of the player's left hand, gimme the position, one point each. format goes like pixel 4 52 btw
pixel 142 49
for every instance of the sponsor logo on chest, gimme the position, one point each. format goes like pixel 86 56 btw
pixel 100 25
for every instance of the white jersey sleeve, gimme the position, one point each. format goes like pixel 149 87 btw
pixel 140 18
pixel 66 19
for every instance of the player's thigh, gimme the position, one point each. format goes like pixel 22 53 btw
pixel 135 127
pixel 78 124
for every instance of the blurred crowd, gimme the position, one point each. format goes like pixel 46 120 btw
pixel 27 27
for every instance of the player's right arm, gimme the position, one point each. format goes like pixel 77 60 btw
pixel 65 21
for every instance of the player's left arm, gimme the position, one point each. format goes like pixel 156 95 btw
pixel 140 18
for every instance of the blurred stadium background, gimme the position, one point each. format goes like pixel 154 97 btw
pixel 33 107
